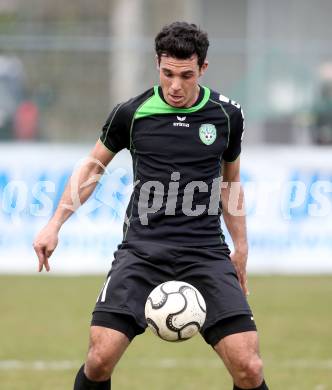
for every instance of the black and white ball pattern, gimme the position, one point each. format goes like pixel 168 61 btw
pixel 175 311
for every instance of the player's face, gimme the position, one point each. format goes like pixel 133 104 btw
pixel 179 80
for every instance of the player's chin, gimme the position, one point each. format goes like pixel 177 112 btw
pixel 177 103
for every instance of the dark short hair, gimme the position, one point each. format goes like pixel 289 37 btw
pixel 182 40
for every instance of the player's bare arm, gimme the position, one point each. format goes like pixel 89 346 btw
pixel 86 179
pixel 232 198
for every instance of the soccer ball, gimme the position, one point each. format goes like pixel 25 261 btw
pixel 175 311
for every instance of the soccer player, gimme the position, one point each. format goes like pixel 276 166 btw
pixel 185 142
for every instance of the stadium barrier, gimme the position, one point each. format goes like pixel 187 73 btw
pixel 288 204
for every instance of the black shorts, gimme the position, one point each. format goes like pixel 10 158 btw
pixel 136 271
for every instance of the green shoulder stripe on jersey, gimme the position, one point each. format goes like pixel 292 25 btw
pixel 156 105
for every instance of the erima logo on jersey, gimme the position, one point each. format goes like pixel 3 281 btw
pixel 181 120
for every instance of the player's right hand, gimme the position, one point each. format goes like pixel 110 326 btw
pixel 44 245
pixel 239 261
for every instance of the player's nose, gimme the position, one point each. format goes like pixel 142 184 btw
pixel 176 85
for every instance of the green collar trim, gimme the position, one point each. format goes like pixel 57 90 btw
pixel 156 105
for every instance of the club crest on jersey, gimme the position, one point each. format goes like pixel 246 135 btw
pixel 207 133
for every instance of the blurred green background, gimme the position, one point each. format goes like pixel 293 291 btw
pixel 78 59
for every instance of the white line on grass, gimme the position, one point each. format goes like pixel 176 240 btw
pixel 165 363
pixel 38 365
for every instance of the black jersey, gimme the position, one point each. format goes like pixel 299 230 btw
pixel 177 155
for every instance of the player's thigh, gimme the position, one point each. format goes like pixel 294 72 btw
pixel 106 346
pixel 238 350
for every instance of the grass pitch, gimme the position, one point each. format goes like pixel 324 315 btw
pixel 45 321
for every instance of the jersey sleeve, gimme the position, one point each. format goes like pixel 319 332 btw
pixel 235 136
pixel 115 133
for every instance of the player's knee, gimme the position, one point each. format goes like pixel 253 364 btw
pixel 98 365
pixel 250 371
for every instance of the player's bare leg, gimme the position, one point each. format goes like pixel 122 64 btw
pixel 106 347
pixel 240 353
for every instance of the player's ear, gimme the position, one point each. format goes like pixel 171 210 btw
pixel 203 68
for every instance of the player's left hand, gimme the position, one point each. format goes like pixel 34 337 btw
pixel 239 261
